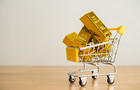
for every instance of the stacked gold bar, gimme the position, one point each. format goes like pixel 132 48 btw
pixel 93 31
pixel 93 23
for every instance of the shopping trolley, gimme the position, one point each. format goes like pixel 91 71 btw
pixel 98 55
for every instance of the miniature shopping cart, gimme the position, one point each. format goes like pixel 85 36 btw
pixel 96 55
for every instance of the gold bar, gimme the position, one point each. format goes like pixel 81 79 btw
pixel 93 23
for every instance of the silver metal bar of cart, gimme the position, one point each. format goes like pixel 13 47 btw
pixel 105 55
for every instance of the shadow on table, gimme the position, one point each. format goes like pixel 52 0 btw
pixel 93 87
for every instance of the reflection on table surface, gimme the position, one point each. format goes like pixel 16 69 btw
pixel 94 86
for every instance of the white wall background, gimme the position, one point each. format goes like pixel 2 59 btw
pixel 31 31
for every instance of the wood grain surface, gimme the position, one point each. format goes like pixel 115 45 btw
pixel 56 78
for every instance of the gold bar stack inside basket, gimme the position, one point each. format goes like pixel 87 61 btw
pixel 93 32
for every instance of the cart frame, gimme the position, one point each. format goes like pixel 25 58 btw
pixel 98 59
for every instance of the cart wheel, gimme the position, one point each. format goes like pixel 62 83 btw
pixel 82 81
pixel 110 79
pixel 93 77
pixel 71 79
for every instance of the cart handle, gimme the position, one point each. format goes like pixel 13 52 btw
pixel 121 30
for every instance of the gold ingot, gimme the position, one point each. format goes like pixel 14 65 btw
pixel 73 40
pixel 85 35
pixel 69 39
pixel 72 54
pixel 93 23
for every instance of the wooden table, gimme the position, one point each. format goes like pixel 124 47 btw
pixel 56 78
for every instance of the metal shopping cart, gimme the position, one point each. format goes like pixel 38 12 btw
pixel 98 55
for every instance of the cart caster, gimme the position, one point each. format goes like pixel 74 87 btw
pixel 71 79
pixel 82 81
pixel 93 77
pixel 110 79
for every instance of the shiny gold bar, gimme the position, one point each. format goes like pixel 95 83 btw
pixel 72 54
pixel 93 23
pixel 85 35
